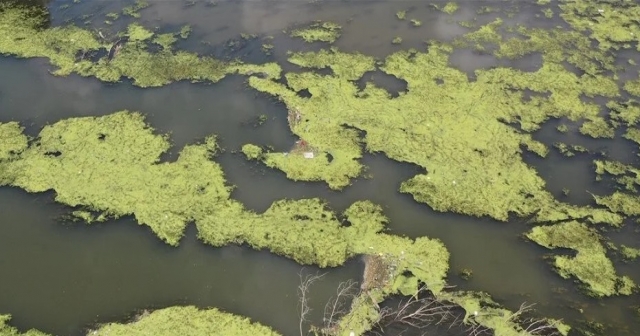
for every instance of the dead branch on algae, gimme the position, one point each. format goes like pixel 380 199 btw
pixel 339 307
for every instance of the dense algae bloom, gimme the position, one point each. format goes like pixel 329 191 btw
pixel 67 47
pixel 110 165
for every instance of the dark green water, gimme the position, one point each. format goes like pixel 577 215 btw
pixel 62 278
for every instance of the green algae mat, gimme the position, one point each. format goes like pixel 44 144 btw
pixel 468 134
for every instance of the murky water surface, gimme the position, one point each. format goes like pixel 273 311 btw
pixel 64 277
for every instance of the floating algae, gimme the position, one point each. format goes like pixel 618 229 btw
pixel 110 164
pixel 450 150
pixel 317 125
pixel 611 23
pixel 452 127
pixel 6 330
pixel 590 265
pixel 135 8
pixel 633 87
pixel 12 141
pixel 629 253
pixel 187 320
pixel 568 150
pixel 319 31
pixel 627 112
pixel 118 172
pixel 626 176
pixel 449 8
pixel 65 48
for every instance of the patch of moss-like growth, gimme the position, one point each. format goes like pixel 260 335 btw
pixel 65 47
pixel 319 31
pixel 629 253
pixel 590 265
pixel 450 8
pixel 610 23
pixel 109 165
pixel 633 87
pixel 627 177
pixel 481 309
pixel 597 129
pixel 187 320
pixel 252 151
pixel 628 112
pixel 556 45
pixel 134 9
pixel 7 330
pixel 570 150
pixel 455 128
pixel 12 141
pixel 621 202
pixel 166 40
pixel 185 31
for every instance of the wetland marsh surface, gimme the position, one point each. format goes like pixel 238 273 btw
pixel 66 277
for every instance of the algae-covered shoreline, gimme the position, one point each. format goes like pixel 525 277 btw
pixel 468 135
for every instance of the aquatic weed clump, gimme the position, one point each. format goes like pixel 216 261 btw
pixel 319 32
pixel 590 265
pixel 23 35
pixel 12 140
pixel 187 320
pixel 612 23
pixel 110 164
pixel 336 149
pixel 457 129
pixel 129 56
pixel 7 330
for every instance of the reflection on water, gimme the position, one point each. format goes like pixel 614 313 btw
pixel 61 279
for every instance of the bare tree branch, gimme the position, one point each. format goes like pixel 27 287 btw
pixel 303 292
pixel 336 308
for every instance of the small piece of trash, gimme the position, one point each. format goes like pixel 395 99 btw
pixel 600 10
pixel 308 155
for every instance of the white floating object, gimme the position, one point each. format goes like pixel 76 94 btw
pixel 308 155
pixel 600 10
